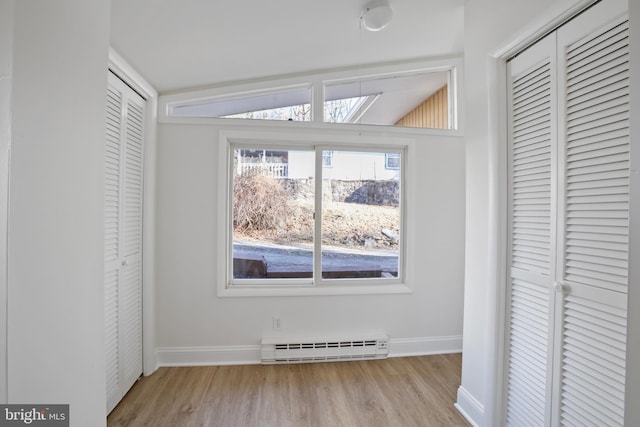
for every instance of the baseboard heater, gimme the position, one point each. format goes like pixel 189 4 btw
pixel 310 350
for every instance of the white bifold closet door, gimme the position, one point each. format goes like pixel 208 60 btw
pixel 568 215
pixel 123 239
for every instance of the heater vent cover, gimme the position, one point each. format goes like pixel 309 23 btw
pixel 296 350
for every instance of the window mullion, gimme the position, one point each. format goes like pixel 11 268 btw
pixel 229 213
pixel 317 102
pixel 317 216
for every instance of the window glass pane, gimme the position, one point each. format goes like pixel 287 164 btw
pixel 294 113
pixel 392 161
pixel 360 216
pixel 412 100
pixel 292 105
pixel 327 159
pixel 346 110
pixel 273 199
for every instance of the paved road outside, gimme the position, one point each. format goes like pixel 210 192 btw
pixel 283 258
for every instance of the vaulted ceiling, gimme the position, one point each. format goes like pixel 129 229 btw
pixel 180 44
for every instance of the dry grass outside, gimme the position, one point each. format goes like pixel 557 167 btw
pixel 263 211
pixel 347 225
pixel 259 203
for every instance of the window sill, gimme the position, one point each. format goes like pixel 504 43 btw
pixel 321 290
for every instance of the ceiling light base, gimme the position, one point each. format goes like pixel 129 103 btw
pixel 376 15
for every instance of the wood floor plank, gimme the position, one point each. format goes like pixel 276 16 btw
pixel 411 391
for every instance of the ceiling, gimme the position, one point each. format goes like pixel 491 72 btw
pixel 185 44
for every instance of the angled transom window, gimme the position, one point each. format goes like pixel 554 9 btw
pixel 403 96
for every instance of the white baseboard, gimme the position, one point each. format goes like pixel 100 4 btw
pixel 425 346
pixel 209 356
pixel 469 407
pixel 251 354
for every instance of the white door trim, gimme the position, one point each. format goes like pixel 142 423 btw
pixel 6 74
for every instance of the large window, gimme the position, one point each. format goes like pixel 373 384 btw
pixel 293 221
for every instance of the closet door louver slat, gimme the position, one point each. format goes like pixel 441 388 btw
pixel 596 202
pixel 131 314
pixel 593 360
pixel 531 173
pixel 112 176
pixel 112 346
pixel 584 206
pixel 132 220
pixel 528 354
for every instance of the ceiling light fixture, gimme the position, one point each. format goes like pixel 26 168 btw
pixel 376 15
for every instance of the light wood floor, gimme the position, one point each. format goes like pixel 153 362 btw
pixel 396 392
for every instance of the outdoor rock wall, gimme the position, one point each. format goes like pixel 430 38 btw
pixel 299 188
pixel 384 193
pixel 368 192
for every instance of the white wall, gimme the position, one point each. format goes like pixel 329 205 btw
pixel 491 28
pixel 56 309
pixel 6 59
pixel 194 325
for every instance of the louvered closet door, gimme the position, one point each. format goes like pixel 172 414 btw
pixel 594 64
pixel 123 239
pixel 532 172
pixel 568 292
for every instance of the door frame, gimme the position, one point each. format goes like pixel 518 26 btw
pixel 632 411
pixel 134 80
pixel 6 84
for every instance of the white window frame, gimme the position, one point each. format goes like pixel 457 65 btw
pixel 228 287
